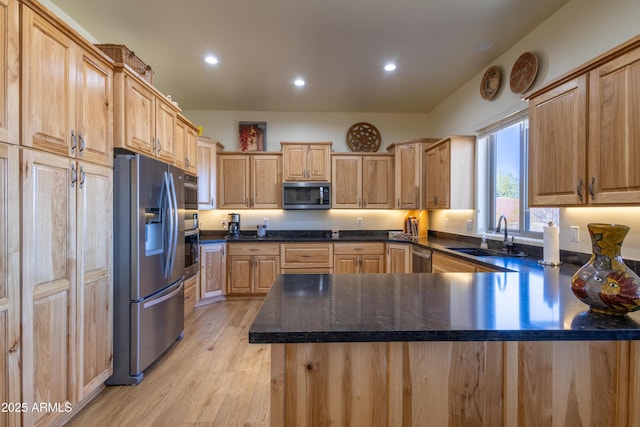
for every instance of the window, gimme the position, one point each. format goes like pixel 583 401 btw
pixel 506 148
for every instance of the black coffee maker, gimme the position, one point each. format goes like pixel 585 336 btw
pixel 233 224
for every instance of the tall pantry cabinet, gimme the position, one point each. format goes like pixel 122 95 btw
pixel 66 187
pixel 9 210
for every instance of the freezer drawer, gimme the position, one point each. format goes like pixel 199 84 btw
pixel 156 323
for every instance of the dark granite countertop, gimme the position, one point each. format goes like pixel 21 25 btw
pixel 505 306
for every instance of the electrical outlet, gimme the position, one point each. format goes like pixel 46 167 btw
pixel 446 223
pixel 469 224
pixel 224 225
pixel 359 222
pixel 265 222
pixel 574 232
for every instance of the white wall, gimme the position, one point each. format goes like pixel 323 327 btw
pixel 578 32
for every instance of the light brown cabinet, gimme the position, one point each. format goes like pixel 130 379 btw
pixel 398 258
pixel 306 258
pixel 145 121
pixel 358 258
pixel 306 161
pixel 207 168
pixel 213 273
pixel 408 172
pixel 252 268
pixel 10 349
pixel 9 73
pixel 67 292
pixel 362 181
pixel 186 151
pixel 441 263
pixel 190 293
pixel 583 141
pixel 67 93
pixel 449 173
pixel 250 181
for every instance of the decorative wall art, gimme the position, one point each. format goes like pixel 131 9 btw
pixel 253 136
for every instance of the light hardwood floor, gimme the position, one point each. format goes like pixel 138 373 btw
pixel 212 377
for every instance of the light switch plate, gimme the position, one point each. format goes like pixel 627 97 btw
pixel 574 231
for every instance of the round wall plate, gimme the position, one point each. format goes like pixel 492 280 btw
pixel 363 137
pixel 524 72
pixel 490 83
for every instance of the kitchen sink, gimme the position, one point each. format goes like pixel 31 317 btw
pixel 485 252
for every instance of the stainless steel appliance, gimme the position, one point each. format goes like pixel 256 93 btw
pixel 191 226
pixel 233 224
pixel 191 252
pixel 421 259
pixel 148 263
pixel 306 195
pixel 191 193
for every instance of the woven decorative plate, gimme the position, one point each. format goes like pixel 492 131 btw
pixel 490 83
pixel 363 137
pixel 524 72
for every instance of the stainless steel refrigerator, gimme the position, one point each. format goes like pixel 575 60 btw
pixel 148 263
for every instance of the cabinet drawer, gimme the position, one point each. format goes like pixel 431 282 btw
pixel 190 285
pixel 305 255
pixel 253 248
pixel 376 248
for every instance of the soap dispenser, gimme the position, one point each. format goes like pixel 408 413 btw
pixel 483 243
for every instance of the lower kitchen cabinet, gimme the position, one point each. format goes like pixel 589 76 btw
pixel 9 282
pixel 252 268
pixel 316 258
pixel 358 258
pixel 212 272
pixel 398 258
pixel 190 293
pixel 441 263
pixel 67 283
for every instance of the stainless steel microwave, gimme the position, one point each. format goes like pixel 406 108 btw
pixel 306 195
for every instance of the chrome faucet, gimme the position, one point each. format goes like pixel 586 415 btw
pixel 506 244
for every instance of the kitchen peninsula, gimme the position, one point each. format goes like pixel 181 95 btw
pixel 492 349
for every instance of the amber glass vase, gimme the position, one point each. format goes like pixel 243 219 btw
pixel 605 283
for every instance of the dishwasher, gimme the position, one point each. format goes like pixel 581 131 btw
pixel 421 260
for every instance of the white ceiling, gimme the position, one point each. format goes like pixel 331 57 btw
pixel 338 46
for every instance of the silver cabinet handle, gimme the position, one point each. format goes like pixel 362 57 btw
pixel 83 177
pixel 579 189
pixel 74 141
pixel 82 144
pixel 74 175
pixel 592 185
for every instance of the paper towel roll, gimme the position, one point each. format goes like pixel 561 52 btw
pixel 551 244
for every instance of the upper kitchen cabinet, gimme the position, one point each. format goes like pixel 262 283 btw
pixel 306 161
pixel 446 188
pixel 186 151
pixel 408 171
pixel 584 130
pixel 67 93
pixel 362 181
pixel 145 120
pixel 206 159
pixel 250 181
pixel 9 71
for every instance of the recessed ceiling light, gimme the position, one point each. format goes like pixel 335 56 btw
pixel 211 59
pixel 299 82
pixel 390 66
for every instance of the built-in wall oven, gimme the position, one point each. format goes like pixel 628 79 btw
pixel 191 226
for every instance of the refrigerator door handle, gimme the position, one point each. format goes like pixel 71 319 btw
pixel 167 202
pixel 164 297
pixel 174 222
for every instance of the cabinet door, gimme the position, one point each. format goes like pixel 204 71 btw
pixel 9 281
pixel 294 158
pixel 266 181
pixel 438 176
pixel 139 117
pixel 377 182
pixel 233 181
pixel 94 277
pixel 371 264
pixel 408 158
pixel 93 132
pixel 345 264
pixel 265 270
pixel 181 145
pixel 48 282
pixel 190 293
pixel 431 178
pixel 212 270
pixel 557 146
pixel 165 125
pixel 191 146
pixel 9 73
pixel 346 181
pixel 446 264
pixel 398 258
pixel 206 175
pixel 48 85
pixel 240 268
pixel 318 162
pixel 614 135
